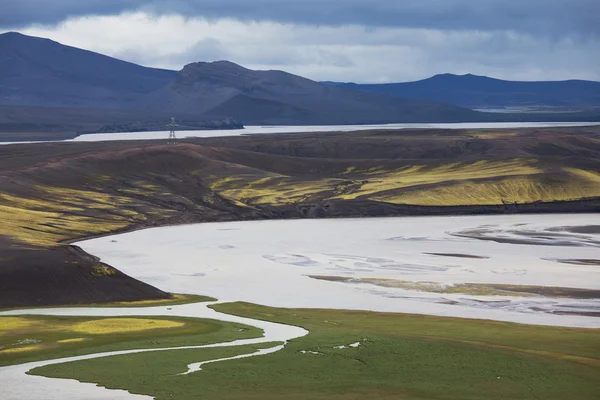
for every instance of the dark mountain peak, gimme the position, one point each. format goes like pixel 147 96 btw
pixel 220 65
pixel 12 40
pixel 231 75
pixel 10 35
pixel 447 77
pixel 17 36
pixel 217 73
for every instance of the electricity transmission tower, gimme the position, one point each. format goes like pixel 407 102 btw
pixel 172 136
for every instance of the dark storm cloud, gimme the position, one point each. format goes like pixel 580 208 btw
pixel 552 18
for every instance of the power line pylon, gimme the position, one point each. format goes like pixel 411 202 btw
pixel 172 137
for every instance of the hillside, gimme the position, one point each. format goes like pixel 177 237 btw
pixel 482 92
pixel 40 72
pixel 55 193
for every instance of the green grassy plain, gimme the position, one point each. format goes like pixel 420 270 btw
pixel 33 338
pixel 400 357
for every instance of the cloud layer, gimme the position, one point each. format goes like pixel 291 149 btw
pixel 556 17
pixel 351 40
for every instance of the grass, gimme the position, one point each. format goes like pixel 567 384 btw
pixel 33 338
pixel 400 357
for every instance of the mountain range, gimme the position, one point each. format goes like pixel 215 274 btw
pixel 475 91
pixel 43 83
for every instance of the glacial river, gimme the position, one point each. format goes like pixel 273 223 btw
pixel 501 266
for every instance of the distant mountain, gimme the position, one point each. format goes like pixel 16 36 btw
pixel 41 72
pixel 482 92
pixel 275 97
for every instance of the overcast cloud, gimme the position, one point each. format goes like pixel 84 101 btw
pixel 343 40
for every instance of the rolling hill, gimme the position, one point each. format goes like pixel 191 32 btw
pixel 475 91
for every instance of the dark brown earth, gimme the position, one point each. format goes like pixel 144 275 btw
pixel 64 275
pixel 94 189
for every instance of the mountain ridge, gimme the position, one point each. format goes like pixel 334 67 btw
pixel 469 90
pixel 227 89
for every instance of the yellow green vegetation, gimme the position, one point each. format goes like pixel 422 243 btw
pixel 50 215
pixel 103 270
pixel 30 338
pixel 492 134
pixel 26 324
pixel 176 299
pixel 273 189
pixel 380 180
pixel 10 324
pixel 570 185
pixel 56 214
pixel 122 325
pixel 73 340
pixel 21 349
pixel 474 183
pixel 45 223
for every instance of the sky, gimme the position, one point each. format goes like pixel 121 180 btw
pixel 339 40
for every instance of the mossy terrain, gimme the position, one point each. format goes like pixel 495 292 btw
pixel 55 193
pixel 357 354
pixel 33 338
